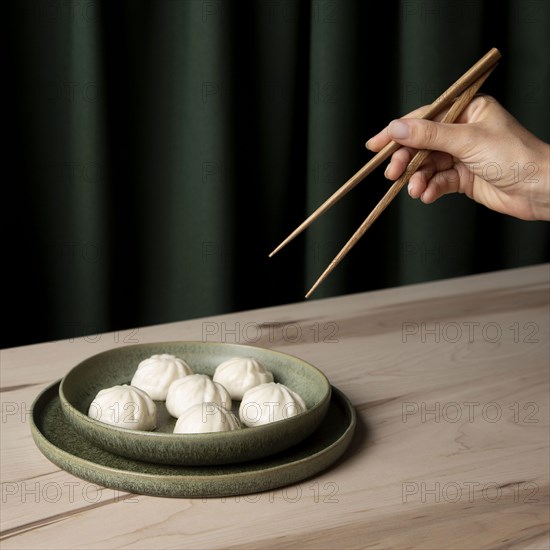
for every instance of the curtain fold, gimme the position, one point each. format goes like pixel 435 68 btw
pixel 160 150
pixel 331 156
pixel 437 39
pixel 185 183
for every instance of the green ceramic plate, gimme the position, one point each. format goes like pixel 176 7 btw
pixel 117 366
pixel 70 451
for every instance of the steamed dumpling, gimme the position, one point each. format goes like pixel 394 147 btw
pixel 268 403
pixel 193 390
pixel 124 406
pixel 206 418
pixel 155 374
pixel 239 374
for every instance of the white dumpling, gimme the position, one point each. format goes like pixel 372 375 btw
pixel 124 406
pixel 206 418
pixel 193 390
pixel 155 374
pixel 268 403
pixel 239 374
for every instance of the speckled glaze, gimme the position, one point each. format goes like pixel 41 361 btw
pixel 117 366
pixel 57 440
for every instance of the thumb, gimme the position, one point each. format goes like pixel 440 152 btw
pixel 435 136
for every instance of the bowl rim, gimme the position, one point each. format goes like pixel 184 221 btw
pixel 246 432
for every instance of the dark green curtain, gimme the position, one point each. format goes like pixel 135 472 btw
pixel 159 150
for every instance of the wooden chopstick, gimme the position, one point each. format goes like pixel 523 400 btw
pixel 452 114
pixel 444 100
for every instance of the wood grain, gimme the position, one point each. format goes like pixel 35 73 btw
pixel 415 475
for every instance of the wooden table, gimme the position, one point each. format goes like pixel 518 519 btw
pixel 450 380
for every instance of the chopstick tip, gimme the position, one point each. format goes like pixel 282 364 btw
pixel 317 283
pixel 282 245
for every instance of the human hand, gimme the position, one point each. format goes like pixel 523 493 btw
pixel 487 155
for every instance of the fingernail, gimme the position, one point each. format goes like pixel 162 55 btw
pixel 409 188
pixel 386 171
pixel 367 145
pixel 398 129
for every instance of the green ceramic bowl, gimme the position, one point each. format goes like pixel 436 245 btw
pixel 117 366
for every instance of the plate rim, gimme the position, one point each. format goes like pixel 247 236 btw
pixel 48 448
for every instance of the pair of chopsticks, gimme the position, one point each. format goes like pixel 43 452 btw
pixel 459 95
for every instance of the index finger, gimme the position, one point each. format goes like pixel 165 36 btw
pixel 381 139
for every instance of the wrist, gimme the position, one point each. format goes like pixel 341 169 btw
pixel 540 187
